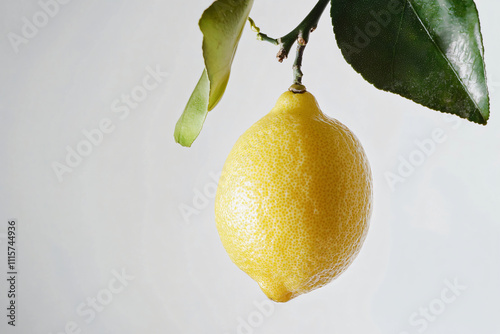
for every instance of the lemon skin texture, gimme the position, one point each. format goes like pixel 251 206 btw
pixel 294 199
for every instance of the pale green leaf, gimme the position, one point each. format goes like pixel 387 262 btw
pixel 189 125
pixel 222 24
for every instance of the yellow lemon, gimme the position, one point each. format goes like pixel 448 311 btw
pixel 294 199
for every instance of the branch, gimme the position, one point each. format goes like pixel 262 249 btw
pixel 300 35
pixel 302 31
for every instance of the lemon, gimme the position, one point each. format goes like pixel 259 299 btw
pixel 294 199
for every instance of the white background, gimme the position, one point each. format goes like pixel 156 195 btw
pixel 120 209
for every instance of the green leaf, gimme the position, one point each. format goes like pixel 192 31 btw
pixel 188 127
pixel 222 24
pixel 428 51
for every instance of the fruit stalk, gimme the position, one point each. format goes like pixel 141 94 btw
pixel 297 70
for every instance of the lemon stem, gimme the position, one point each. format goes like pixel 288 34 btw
pixel 300 35
pixel 297 65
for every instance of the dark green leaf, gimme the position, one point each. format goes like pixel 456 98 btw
pixel 426 50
